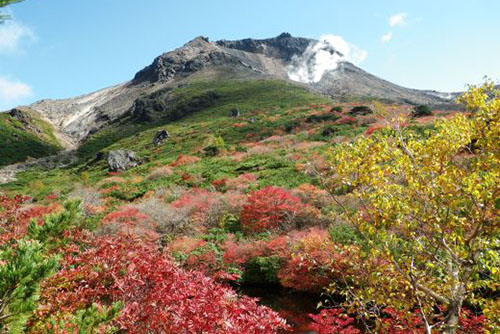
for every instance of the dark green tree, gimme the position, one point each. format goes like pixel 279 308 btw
pixel 26 262
pixel 421 111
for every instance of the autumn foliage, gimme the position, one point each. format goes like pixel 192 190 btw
pixel 270 208
pixel 157 296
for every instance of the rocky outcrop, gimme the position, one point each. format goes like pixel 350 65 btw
pixel 121 160
pixel 160 137
pixel 194 56
pixel 161 105
pixel 61 160
pixel 283 47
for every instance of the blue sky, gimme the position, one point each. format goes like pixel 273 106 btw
pixel 63 48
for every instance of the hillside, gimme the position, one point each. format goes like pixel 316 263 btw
pixel 76 119
pixel 162 204
pixel 24 134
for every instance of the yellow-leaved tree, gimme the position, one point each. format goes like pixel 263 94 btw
pixel 428 205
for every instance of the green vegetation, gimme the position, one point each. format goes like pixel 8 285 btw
pixel 361 110
pixel 209 114
pixel 257 199
pixel 421 111
pixel 32 137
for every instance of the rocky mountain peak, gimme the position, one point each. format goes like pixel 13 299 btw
pixel 193 56
pixel 284 46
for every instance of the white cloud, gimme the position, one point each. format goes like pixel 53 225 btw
pixel 397 19
pixel 12 35
pixel 387 37
pixel 323 56
pixel 13 91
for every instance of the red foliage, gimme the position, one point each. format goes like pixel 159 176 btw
pixel 347 120
pixel 398 322
pixel 373 128
pixel 333 321
pixel 130 221
pixel 35 212
pixel 313 261
pixel 158 296
pixel 124 215
pixel 14 218
pixel 239 254
pixel 9 209
pixel 51 197
pixel 197 202
pixel 183 160
pixel 269 209
pixel 220 185
pixel 242 182
pixel 394 322
pixel 239 125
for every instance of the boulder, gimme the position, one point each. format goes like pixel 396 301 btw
pixel 235 112
pixel 121 160
pixel 160 137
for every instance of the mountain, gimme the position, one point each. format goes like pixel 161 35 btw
pixel 150 95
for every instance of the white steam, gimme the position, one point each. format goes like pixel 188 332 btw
pixel 323 56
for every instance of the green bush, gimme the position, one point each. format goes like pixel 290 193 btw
pixel 345 234
pixel 361 110
pixel 421 111
pixel 262 270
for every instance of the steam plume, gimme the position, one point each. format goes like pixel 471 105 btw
pixel 323 56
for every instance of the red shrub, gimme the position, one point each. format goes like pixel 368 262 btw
pixel 399 322
pixel 313 261
pixel 183 160
pixel 9 211
pixel 373 128
pixel 347 120
pixel 239 125
pixel 241 182
pixel 220 185
pixel 158 296
pixel 197 202
pixel 129 221
pixel 51 197
pixel 269 209
pixel 333 321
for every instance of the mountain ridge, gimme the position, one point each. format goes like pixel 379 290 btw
pixel 75 119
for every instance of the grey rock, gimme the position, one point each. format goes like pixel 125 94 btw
pixel 194 56
pixel 160 137
pixel 121 160
pixel 285 46
pixel 235 112
pixel 253 120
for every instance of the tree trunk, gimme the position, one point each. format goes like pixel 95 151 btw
pixel 451 325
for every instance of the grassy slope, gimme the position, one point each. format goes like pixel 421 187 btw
pixel 18 143
pixel 270 102
pixel 281 109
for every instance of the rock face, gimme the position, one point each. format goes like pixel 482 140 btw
pixel 283 47
pixel 121 160
pixel 192 57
